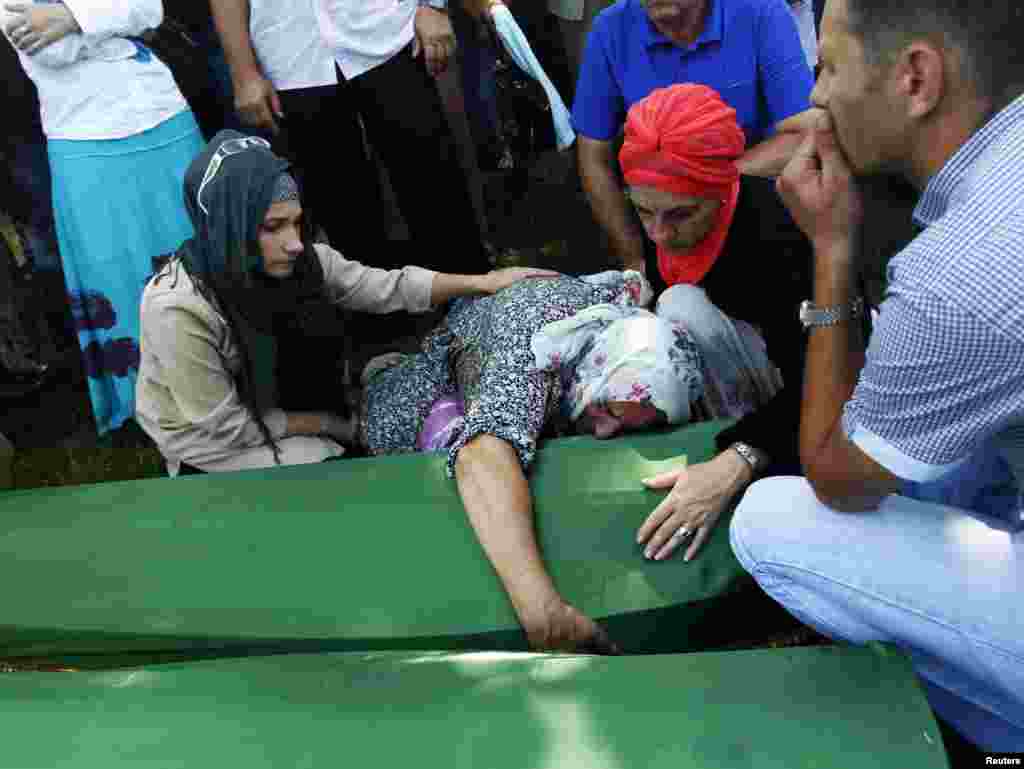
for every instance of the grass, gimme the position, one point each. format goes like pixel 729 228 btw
pixel 38 467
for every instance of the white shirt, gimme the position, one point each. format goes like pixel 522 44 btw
pixel 98 84
pixel 803 12
pixel 289 44
pixel 298 42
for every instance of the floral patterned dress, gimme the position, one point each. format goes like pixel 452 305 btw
pixel 482 352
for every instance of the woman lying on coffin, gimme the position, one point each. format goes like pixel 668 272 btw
pixel 539 358
pixel 213 316
pixel 737 268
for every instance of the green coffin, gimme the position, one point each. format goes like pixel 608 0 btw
pixel 353 555
pixel 820 708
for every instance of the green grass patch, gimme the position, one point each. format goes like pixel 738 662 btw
pixel 36 467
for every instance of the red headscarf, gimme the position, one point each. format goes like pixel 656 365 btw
pixel 685 140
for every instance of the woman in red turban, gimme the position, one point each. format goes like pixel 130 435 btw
pixel 737 268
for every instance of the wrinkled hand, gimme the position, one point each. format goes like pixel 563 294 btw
pixel 818 189
pixel 496 280
pixel 258 104
pixel 700 493
pixel 557 626
pixel 435 38
pixel 37 25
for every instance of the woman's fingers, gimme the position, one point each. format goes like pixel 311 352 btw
pixel 664 510
pixel 661 549
pixel 698 540
pixel 673 531
pixel 663 480
pixel 671 535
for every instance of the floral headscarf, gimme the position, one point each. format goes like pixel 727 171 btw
pixel 621 352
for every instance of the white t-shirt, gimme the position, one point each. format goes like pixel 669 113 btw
pixel 803 12
pixel 99 84
pixel 289 44
pixel 298 42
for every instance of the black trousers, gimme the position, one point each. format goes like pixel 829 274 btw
pixel 405 122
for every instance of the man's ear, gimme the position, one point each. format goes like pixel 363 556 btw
pixel 922 77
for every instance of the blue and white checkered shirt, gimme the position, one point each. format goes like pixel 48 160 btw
pixel 943 382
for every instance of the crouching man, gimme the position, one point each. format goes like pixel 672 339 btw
pixel 908 525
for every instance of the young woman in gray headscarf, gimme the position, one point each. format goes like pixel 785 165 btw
pixel 213 317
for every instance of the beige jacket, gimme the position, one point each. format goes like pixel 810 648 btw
pixel 186 399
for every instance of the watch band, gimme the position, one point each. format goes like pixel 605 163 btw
pixel 748 454
pixel 811 316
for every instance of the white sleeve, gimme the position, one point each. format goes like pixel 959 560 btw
pixel 65 51
pixel 355 286
pixel 100 19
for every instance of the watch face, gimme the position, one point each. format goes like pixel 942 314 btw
pixel 805 311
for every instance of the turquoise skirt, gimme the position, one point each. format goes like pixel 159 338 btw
pixel 118 204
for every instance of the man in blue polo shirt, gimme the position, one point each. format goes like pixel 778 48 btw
pixel 747 50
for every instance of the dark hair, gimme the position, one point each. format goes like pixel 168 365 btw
pixel 987 32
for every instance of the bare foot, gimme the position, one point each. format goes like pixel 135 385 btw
pixel 561 627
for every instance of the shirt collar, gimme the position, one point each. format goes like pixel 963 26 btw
pixel 942 187
pixel 712 32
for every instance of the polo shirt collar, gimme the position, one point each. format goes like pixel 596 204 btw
pixel 713 27
pixel 945 185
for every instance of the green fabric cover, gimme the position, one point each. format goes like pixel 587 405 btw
pixel 352 555
pixel 825 707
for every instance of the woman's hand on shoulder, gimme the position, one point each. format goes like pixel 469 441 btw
pixel 496 280
pixel 699 495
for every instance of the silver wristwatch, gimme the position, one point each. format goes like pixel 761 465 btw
pixel 812 316
pixel 748 454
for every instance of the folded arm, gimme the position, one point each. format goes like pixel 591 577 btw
pixel 57 35
pixel 818 188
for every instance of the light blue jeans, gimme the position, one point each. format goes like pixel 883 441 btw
pixel 941 583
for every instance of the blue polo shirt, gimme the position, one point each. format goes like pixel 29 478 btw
pixel 749 51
